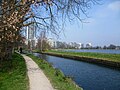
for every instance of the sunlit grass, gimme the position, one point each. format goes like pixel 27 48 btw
pixel 13 74
pixel 109 57
pixel 56 77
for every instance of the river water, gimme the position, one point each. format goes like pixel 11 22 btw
pixel 110 51
pixel 88 76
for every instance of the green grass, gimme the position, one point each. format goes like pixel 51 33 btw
pixel 109 57
pixel 13 74
pixel 56 77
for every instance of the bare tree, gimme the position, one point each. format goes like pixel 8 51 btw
pixel 43 43
pixel 47 14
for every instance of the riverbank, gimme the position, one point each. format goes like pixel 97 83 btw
pixel 56 77
pixel 13 74
pixel 110 60
pixel 37 79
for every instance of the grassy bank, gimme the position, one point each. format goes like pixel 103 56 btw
pixel 108 60
pixel 13 74
pixel 56 77
pixel 108 57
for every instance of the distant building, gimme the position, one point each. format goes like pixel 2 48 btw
pixel 81 45
pixel 31 36
pixel 112 46
pixel 51 42
pixel 74 45
pixel 117 47
pixel 89 45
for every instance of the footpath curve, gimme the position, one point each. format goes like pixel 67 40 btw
pixel 37 79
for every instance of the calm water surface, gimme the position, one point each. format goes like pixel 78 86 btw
pixel 88 76
pixel 95 50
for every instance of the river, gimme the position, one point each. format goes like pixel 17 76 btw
pixel 88 76
pixel 110 51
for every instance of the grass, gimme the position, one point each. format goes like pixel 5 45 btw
pixel 13 74
pixel 109 57
pixel 56 77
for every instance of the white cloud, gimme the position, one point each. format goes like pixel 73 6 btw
pixel 114 6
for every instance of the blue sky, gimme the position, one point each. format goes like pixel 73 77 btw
pixel 103 27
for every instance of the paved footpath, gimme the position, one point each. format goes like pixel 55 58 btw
pixel 37 79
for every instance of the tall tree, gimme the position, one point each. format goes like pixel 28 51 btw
pixel 47 14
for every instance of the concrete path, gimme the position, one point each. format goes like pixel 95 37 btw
pixel 37 79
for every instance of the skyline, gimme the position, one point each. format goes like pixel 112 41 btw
pixel 103 29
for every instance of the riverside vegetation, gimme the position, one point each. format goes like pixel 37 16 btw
pixel 108 60
pixel 104 56
pixel 56 77
pixel 13 74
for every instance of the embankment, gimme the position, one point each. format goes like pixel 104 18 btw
pixel 56 77
pixel 106 62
